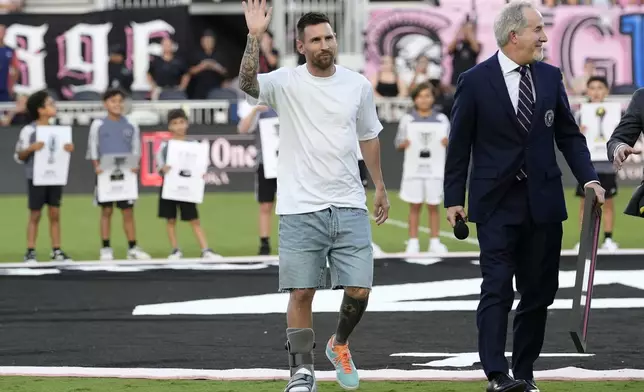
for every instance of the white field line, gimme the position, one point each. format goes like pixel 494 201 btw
pixel 568 374
pixel 273 259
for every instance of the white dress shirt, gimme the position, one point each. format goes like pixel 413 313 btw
pixel 512 78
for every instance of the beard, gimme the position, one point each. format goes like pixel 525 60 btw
pixel 538 55
pixel 323 62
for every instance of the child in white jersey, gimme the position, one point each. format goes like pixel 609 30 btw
pixel 422 135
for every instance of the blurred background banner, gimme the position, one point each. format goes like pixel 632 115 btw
pixel 69 53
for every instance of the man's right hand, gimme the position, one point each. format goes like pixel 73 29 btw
pixel 257 18
pixel 98 170
pixel 37 146
pixel 622 153
pixel 453 212
pixel 165 169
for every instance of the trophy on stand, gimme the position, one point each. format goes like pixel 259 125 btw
pixel 426 138
pixel 185 163
pixel 117 173
pixel 600 112
pixel 277 134
pixel 52 149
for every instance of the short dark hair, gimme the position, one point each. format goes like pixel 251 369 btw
pixel 599 79
pixel 423 86
pixel 36 101
pixel 175 114
pixel 112 92
pixel 310 19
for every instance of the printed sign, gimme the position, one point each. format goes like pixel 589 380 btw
pixel 51 163
pixel 117 182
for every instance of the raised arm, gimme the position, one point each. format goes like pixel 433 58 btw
pixel 257 20
pixel 249 66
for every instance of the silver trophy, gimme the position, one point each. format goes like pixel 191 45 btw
pixel 426 138
pixel 52 149
pixel 277 134
pixel 185 159
pixel 117 173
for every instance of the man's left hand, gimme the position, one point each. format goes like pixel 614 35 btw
pixel 135 170
pixel 68 147
pixel 381 206
pixel 599 192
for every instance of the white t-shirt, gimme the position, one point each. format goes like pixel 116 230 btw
pixel 321 121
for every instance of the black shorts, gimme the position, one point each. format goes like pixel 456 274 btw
pixel 38 196
pixel 168 209
pixel 121 204
pixel 265 188
pixel 608 181
pixel 364 173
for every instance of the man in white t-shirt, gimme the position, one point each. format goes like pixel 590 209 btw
pixel 324 110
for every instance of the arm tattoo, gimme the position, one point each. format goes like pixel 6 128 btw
pixel 249 66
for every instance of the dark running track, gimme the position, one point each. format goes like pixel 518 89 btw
pixel 84 318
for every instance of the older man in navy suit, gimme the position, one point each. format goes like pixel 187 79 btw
pixel 509 112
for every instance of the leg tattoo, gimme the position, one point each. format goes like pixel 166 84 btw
pixel 351 312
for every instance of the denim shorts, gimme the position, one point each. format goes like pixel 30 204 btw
pixel 343 235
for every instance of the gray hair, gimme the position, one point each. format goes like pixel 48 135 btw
pixel 510 19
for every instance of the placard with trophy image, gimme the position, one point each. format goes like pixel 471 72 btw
pixel 269 133
pixel 51 163
pixel 425 156
pixel 188 163
pixel 600 120
pixel 117 182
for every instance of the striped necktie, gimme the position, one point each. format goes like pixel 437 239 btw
pixel 525 107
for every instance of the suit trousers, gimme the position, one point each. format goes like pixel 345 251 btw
pixel 513 245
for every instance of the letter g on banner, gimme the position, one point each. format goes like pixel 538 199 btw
pixel 579 40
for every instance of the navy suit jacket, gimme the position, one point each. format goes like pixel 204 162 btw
pixel 484 127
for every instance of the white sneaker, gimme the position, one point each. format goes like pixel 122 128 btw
pixel 175 255
pixel 208 254
pixel 413 247
pixel 106 254
pixel 610 245
pixel 137 253
pixel 436 246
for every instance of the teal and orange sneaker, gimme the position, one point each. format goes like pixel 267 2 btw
pixel 345 370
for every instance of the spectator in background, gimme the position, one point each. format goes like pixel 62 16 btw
pixel 168 75
pixel 579 84
pixel 8 68
pixel 269 57
pixel 208 73
pixel 17 115
pixel 464 50
pixel 420 74
pixel 10 6
pixel 120 76
pixel 386 82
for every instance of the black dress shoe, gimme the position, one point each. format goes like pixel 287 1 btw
pixel 530 386
pixel 505 383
